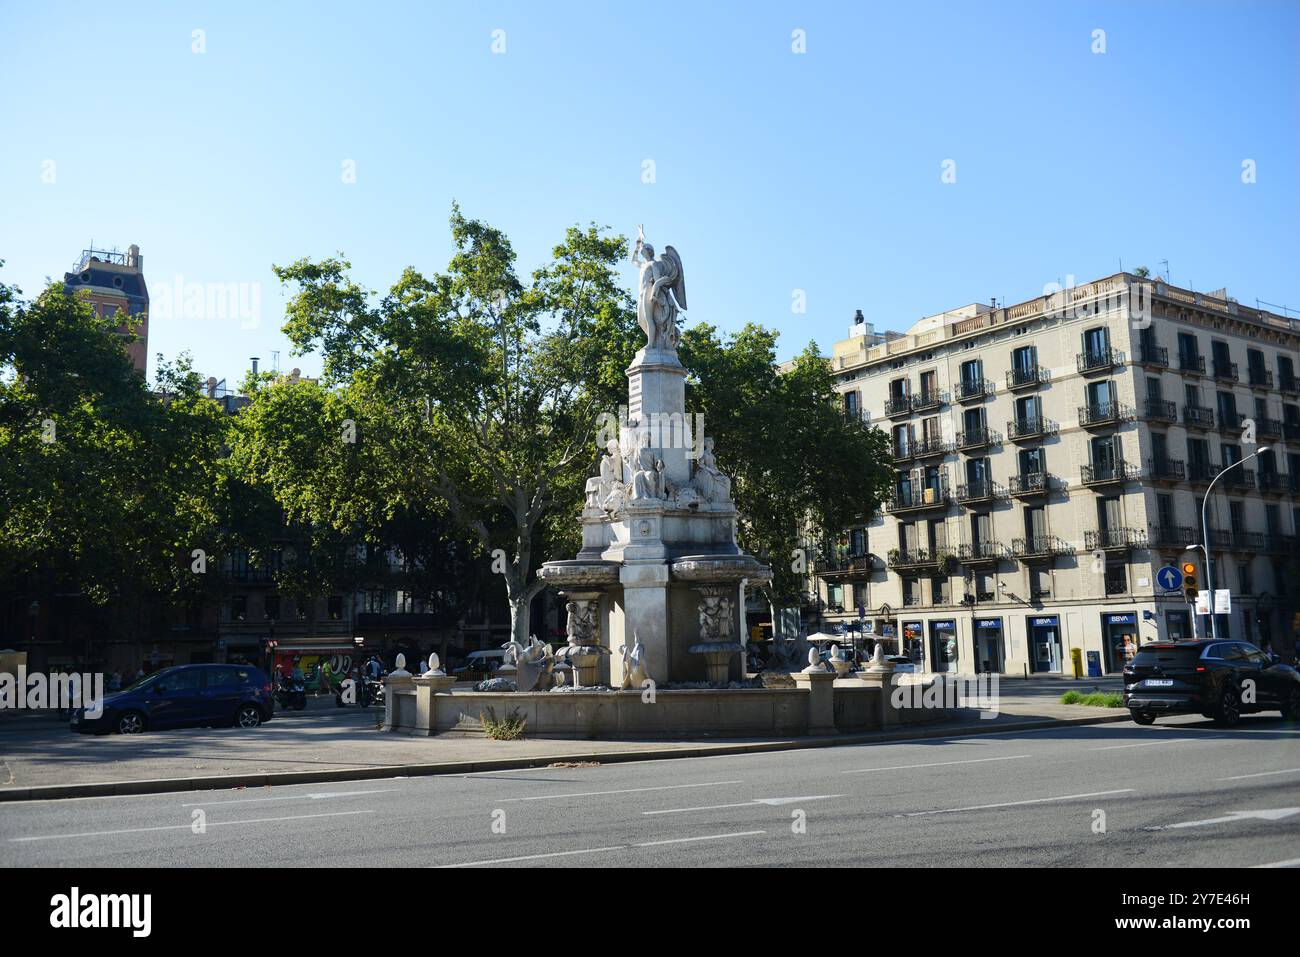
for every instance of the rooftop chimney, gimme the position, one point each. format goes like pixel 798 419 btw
pixel 254 361
pixel 133 256
pixel 858 318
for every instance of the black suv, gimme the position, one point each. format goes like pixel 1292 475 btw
pixel 1220 679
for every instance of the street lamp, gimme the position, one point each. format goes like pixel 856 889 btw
pixel 1205 532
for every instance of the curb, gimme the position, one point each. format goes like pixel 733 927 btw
pixel 51 792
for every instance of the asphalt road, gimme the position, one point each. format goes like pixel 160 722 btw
pixel 1179 793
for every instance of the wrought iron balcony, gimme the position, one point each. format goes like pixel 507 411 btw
pixel 1115 474
pixel 1269 427
pixel 1284 544
pixel 1098 360
pixel 1198 417
pixel 1162 410
pixel 1259 378
pixel 974 391
pixel 919 499
pixel 1291 431
pixel 834 565
pixel 1032 484
pixel 1104 413
pixel 924 401
pixel 1150 354
pixel 1227 371
pixel 1166 470
pixel 978 438
pixel 1042 548
pixel 1172 536
pixel 1202 473
pixel 1271 483
pixel 1230 421
pixel 912 558
pixel 1240 479
pixel 925 448
pixel 1248 541
pixel 1194 364
pixel 898 406
pixel 1288 383
pixel 1220 538
pixel 979 553
pixel 1114 539
pixel 1033 427
pixel 1027 377
pixel 973 493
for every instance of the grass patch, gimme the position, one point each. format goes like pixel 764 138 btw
pixel 1096 699
pixel 509 728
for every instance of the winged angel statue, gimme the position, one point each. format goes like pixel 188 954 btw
pixel 662 293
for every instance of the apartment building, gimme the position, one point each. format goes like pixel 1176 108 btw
pixel 1051 456
pixel 113 283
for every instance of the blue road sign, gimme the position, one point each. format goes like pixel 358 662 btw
pixel 1170 578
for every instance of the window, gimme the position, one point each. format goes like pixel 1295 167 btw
pixel 1096 342
pixel 1116 579
pixel 1165 509
pixel 1024 359
pixel 1243 579
pixel 271 607
pixel 972 374
pixel 1153 389
pixel 1032 461
pixel 1237 513
pixel 224 678
pixel 1040 583
pixel 1188 348
pixel 911 591
pixel 239 608
pixel 939 591
pixel 1035 522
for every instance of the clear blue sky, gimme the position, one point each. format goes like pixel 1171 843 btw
pixel 774 171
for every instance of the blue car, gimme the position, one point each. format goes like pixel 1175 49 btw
pixel 186 696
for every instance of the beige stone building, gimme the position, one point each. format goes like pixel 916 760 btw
pixel 1051 457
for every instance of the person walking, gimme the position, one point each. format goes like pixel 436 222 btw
pixel 326 674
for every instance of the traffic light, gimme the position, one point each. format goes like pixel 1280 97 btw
pixel 1189 581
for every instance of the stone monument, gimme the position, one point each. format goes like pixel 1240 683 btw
pixel 659 567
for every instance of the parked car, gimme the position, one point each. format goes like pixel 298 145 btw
pixel 1218 679
pixel 480 664
pixel 903 665
pixel 185 696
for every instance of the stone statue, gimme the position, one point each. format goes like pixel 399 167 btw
pixel 648 477
pixel 607 490
pixel 533 663
pixel 712 484
pixel 634 670
pixel 661 293
pixel 581 624
pixel 715 616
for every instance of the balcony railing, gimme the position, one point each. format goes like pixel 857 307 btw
pixel 1248 541
pixel 1271 483
pixel 919 499
pixel 1284 544
pixel 1033 427
pixel 1027 377
pixel 1150 354
pixel 1114 538
pixel 1221 538
pixel 1031 484
pixel 924 401
pixel 1291 431
pixel 898 406
pixel 1240 479
pixel 980 552
pixel 1191 363
pixel 1162 410
pixel 972 493
pixel 1202 472
pixel 931 446
pixel 1167 470
pixel 968 391
pixel 845 564
pixel 1230 420
pixel 1172 536
pixel 1288 383
pixel 1046 546
pixel 1227 371
pixel 911 558
pixel 1198 417
pixel 1104 413
pixel 1113 474
pixel 1269 427
pixel 1259 378
pixel 1098 360
pixel 978 438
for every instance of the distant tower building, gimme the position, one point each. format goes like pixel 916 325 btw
pixel 113 284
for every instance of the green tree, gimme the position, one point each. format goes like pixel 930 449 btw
pixel 473 388
pixel 800 465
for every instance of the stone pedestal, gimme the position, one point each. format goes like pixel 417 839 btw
pixel 883 680
pixel 645 616
pixel 820 686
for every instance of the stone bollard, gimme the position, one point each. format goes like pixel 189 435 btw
pixel 820 685
pixel 882 679
pixel 433 682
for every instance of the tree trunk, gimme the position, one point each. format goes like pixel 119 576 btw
pixel 519 604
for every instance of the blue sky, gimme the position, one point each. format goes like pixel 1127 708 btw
pixel 774 171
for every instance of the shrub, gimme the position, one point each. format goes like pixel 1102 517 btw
pixel 509 728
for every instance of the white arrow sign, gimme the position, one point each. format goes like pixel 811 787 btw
pixel 1274 815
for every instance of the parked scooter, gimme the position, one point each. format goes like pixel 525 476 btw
pixel 291 693
pixel 366 691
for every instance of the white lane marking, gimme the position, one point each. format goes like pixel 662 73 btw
pixel 770 802
pixel 985 807
pixel 936 764
pixel 290 797
pixel 583 794
pixel 1275 814
pixel 1260 774
pixel 536 857
pixel 706 837
pixel 1294 862
pixel 1148 744
pixel 184 827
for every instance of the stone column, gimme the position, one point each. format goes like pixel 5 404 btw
pixel 645 614
pixel 820 685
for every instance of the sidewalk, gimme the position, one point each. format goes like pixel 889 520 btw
pixel 41 758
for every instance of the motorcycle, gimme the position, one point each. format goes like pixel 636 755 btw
pixel 366 690
pixel 291 693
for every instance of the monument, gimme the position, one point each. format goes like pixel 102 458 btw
pixel 659 569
